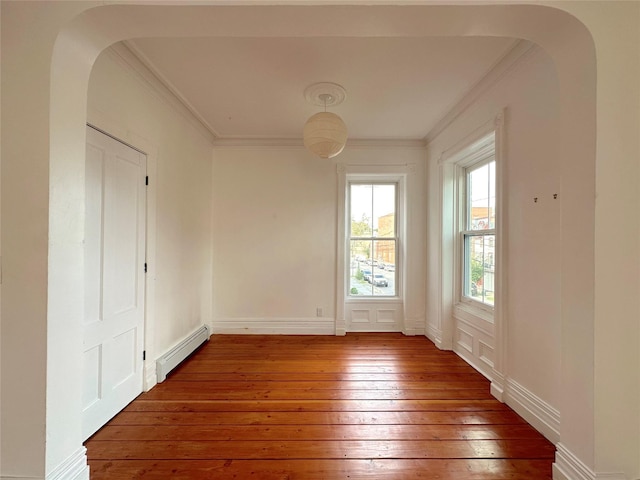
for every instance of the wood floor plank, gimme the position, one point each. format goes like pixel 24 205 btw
pixel 324 405
pixel 135 418
pixel 185 433
pixel 337 377
pixel 367 406
pixel 189 391
pixel 359 449
pixel 177 384
pixel 374 469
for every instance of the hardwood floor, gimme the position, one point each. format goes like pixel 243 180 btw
pixel 364 406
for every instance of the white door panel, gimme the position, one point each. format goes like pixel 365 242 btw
pixel 114 278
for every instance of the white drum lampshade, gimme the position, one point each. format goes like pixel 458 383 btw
pixel 325 134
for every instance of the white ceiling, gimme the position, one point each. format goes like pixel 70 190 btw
pixel 397 87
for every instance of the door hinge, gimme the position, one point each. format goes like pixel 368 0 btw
pixel 145 267
pixel 144 355
pixel 146 180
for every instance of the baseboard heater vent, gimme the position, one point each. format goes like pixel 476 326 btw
pixel 177 354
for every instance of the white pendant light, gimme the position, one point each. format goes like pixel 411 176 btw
pixel 325 134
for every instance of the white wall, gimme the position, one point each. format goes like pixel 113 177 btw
pixel 122 102
pixel 617 303
pixel 45 71
pixel 274 243
pixel 532 140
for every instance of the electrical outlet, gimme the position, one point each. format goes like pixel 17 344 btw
pixel 319 312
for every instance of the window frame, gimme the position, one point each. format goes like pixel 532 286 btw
pixel 479 153
pixel 483 158
pixel 395 238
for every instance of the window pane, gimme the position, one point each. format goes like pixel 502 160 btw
pixel 479 268
pixel 479 215
pixel 488 274
pixel 361 210
pixel 360 269
pixel 384 210
pixel 473 266
pixel 375 274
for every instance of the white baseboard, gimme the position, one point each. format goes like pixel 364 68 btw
pixel 73 468
pixel 569 467
pixel 498 385
pixel 435 335
pixel 150 375
pixel 414 326
pixel 12 477
pixel 275 326
pixel 480 366
pixel 538 413
pixel 543 417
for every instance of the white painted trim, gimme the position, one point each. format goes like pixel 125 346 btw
pixel 150 375
pixel 11 477
pixel 276 326
pixel 521 51
pixel 414 326
pixel 472 360
pixel 341 272
pixel 611 476
pixel 123 53
pixel 435 335
pixel 538 413
pixel 473 318
pixel 497 390
pixel 569 467
pixel 542 416
pixel 500 322
pixel 450 165
pixel 127 52
pixel 73 468
pixel 352 143
pixel 399 173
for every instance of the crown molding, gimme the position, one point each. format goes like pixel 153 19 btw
pixel 130 55
pixel 127 55
pixel 266 142
pixel 521 51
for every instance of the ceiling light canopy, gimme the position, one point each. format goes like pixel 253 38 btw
pixel 325 134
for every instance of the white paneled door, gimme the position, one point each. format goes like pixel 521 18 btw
pixel 114 278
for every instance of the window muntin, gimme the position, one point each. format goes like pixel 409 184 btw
pixel 372 239
pixel 478 234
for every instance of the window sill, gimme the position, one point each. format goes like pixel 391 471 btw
pixel 364 299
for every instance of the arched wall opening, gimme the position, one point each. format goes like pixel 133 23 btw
pixel 80 43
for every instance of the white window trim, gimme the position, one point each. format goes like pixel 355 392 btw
pixel 374 174
pixel 475 155
pixel 448 260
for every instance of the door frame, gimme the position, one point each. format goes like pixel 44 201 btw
pixel 124 135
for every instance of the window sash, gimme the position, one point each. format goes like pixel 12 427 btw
pixel 356 282
pixel 477 276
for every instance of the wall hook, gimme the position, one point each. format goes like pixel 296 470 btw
pixel 555 195
pixel 535 199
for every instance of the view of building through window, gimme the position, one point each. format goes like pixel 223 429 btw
pixel 479 234
pixel 372 237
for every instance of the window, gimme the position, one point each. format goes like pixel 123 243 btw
pixel 372 239
pixel 479 231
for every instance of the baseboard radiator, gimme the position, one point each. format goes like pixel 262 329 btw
pixel 177 354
